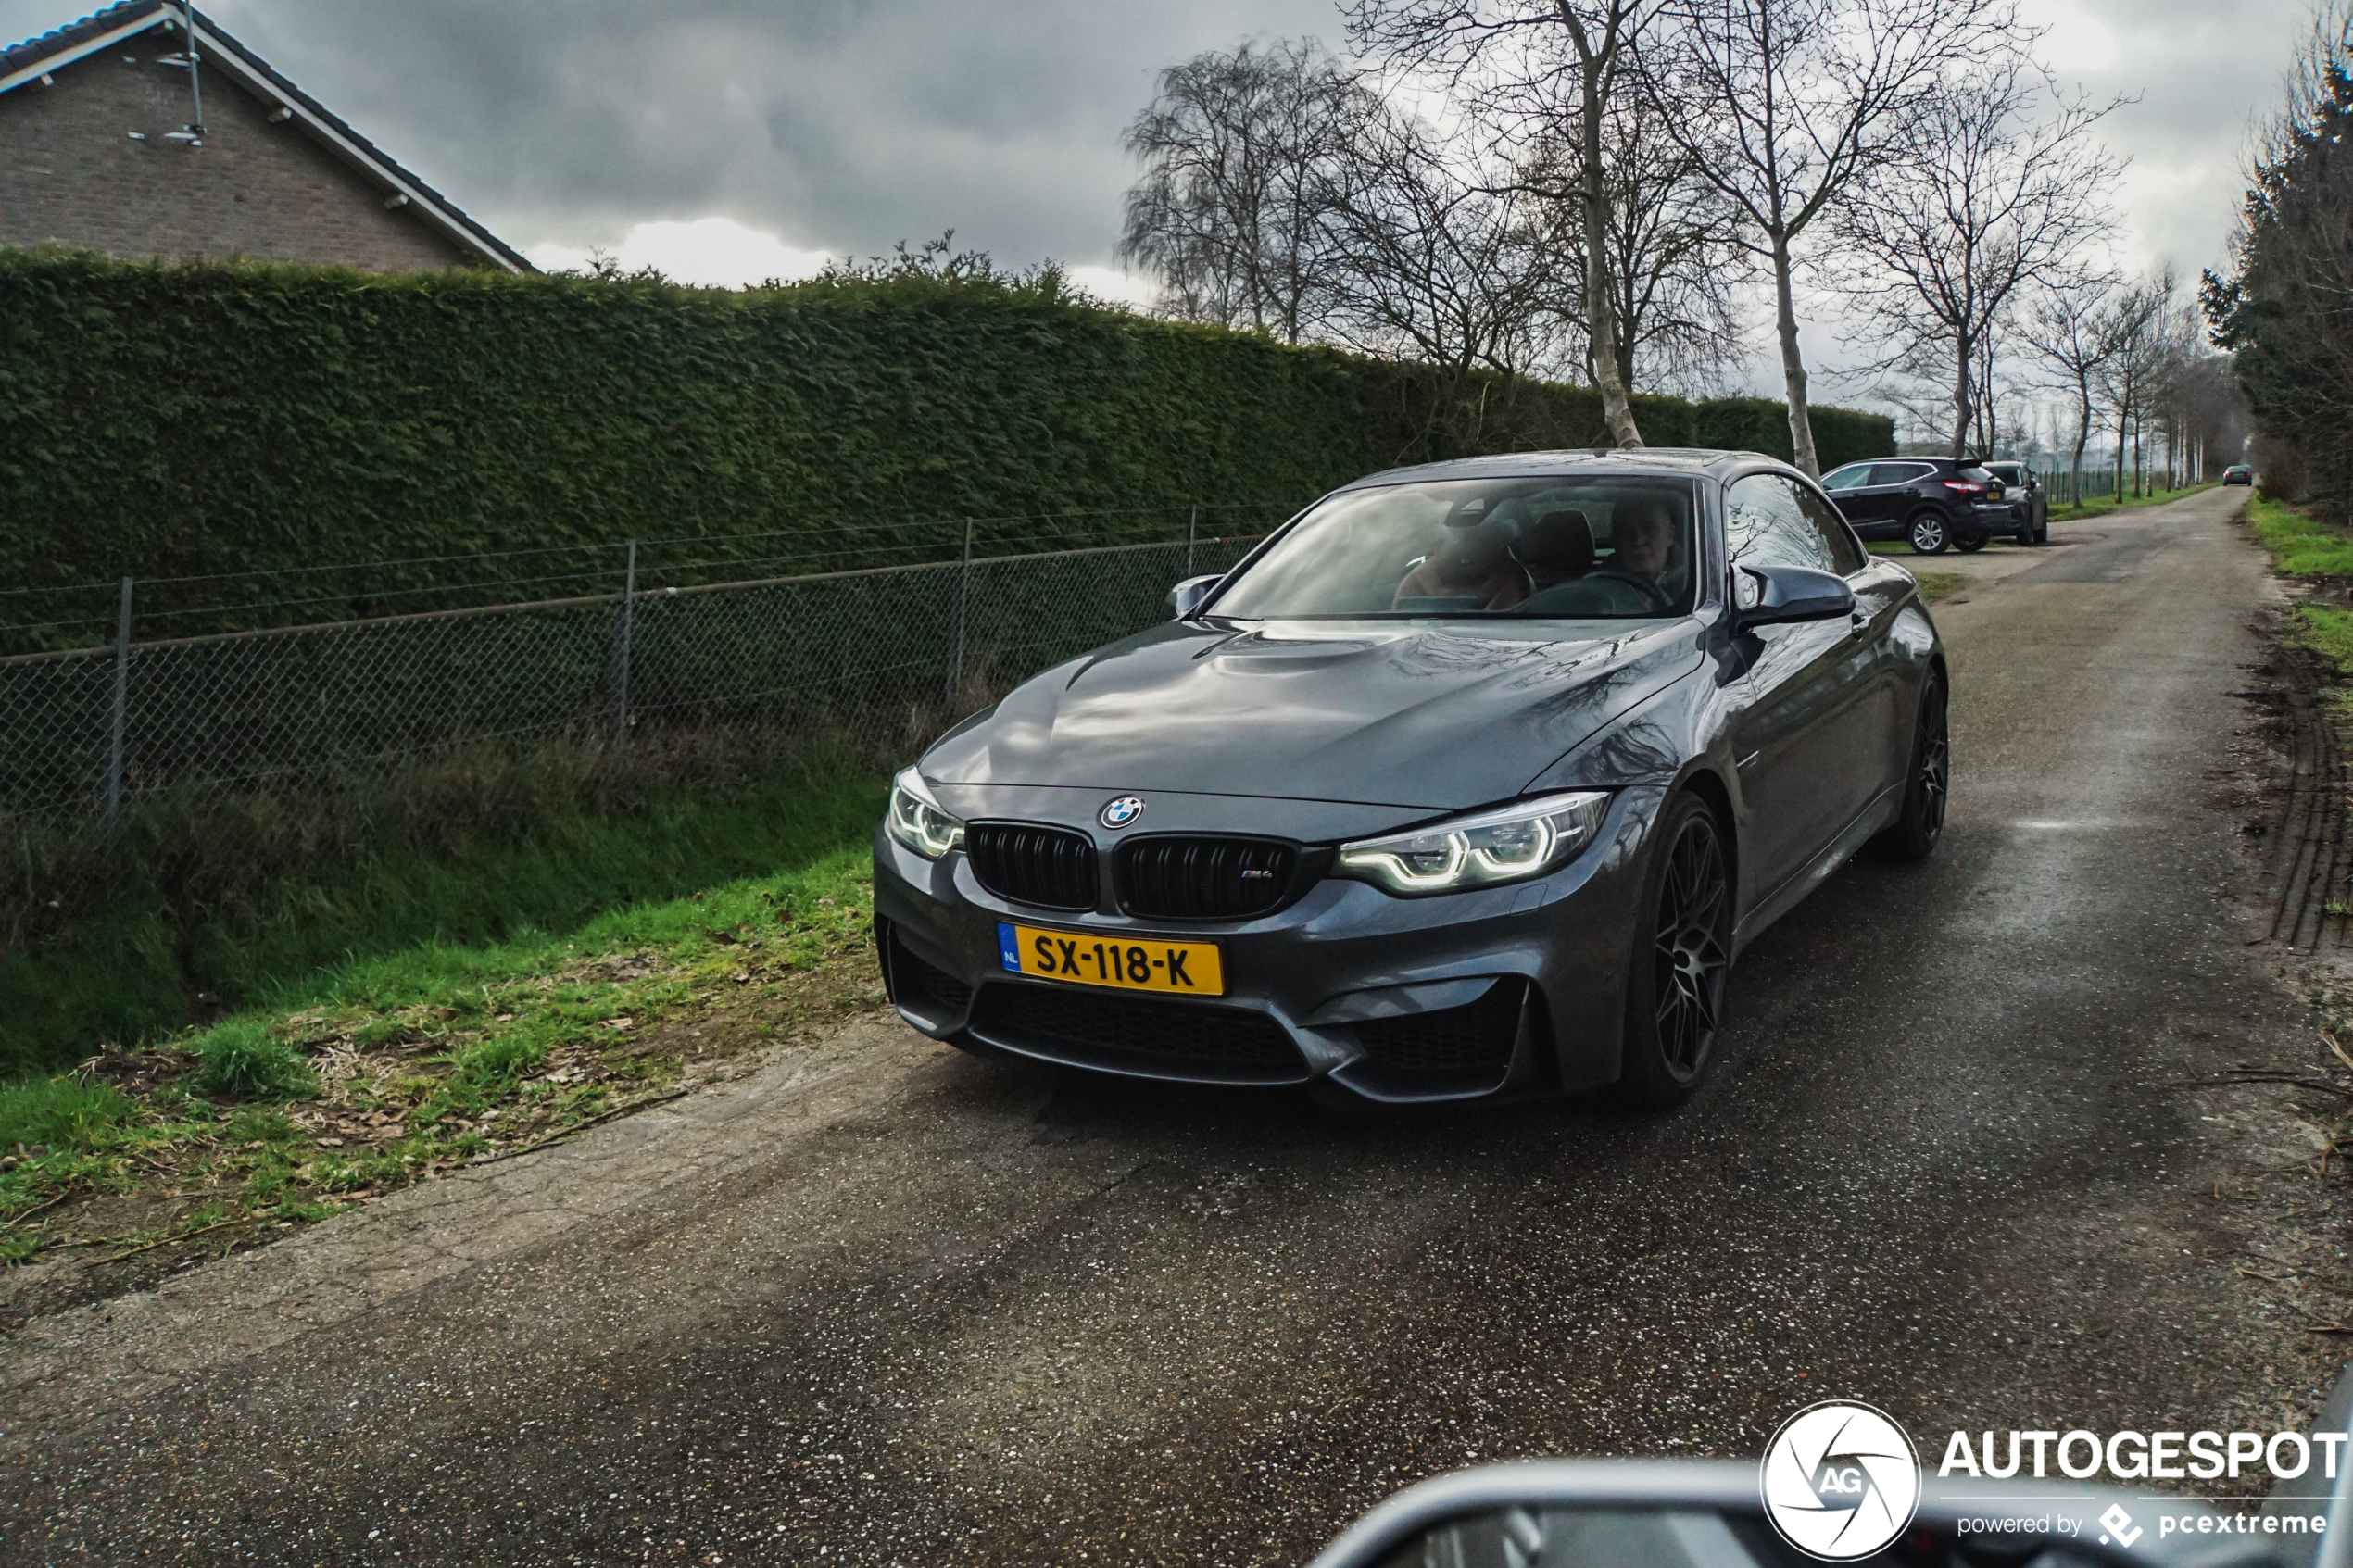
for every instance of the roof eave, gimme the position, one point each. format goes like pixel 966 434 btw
pixel 82 50
pixel 257 76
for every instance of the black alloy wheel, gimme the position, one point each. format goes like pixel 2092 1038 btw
pixel 1675 997
pixel 1928 538
pixel 1927 787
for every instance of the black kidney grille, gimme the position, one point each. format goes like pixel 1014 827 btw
pixel 1052 868
pixel 1047 1017
pixel 1479 1035
pixel 1204 877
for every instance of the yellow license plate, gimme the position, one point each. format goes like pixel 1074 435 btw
pixel 1188 969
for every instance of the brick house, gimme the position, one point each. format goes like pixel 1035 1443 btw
pixel 144 129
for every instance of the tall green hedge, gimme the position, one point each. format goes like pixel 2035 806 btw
pixel 171 421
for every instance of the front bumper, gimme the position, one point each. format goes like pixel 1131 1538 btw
pixel 1349 991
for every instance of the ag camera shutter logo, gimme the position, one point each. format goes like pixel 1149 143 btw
pixel 1840 1481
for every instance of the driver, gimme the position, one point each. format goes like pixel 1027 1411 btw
pixel 1644 536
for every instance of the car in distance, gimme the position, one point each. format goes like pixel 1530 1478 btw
pixel 1471 780
pixel 2023 493
pixel 2238 473
pixel 1934 502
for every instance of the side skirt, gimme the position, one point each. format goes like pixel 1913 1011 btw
pixel 1876 818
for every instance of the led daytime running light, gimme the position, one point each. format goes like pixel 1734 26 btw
pixel 1510 843
pixel 917 821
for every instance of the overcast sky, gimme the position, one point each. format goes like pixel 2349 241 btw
pixel 728 140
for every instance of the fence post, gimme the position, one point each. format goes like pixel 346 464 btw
pixel 1193 526
pixel 956 645
pixel 618 678
pixel 118 713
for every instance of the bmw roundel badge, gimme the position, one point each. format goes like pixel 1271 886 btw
pixel 1121 812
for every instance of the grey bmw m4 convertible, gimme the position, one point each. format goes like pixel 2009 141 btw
pixel 1472 780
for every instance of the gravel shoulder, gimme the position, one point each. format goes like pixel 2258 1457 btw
pixel 886 1302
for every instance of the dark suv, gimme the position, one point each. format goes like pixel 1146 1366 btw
pixel 1934 502
pixel 2030 508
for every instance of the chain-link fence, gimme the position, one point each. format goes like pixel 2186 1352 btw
pixel 887 651
pixel 2067 486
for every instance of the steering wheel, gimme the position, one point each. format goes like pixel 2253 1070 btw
pixel 1656 598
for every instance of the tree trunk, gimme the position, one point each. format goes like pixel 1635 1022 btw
pixel 1601 295
pixel 1964 400
pixel 2083 439
pixel 1801 427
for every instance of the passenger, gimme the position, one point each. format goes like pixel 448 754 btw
pixel 1474 562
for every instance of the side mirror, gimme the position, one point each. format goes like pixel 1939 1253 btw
pixel 1187 596
pixel 1774 596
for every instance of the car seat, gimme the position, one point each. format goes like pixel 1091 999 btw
pixel 1556 548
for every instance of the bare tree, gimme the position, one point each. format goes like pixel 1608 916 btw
pixel 1676 271
pixel 1992 186
pixel 1567 63
pixel 1233 206
pixel 1435 258
pixel 2064 325
pixel 1783 103
pixel 2134 323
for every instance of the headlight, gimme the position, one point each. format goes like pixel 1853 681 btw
pixel 1509 843
pixel 917 821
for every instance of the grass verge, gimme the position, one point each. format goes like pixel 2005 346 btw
pixel 400 1067
pixel 2320 555
pixel 2301 545
pixel 174 947
pixel 1936 585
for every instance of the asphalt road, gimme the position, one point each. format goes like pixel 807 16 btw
pixel 885 1303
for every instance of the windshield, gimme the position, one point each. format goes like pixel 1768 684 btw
pixel 1579 548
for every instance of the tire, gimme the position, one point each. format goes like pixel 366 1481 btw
pixel 1682 958
pixel 1927 785
pixel 1926 529
pixel 1970 544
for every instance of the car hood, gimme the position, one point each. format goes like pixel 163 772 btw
pixel 1434 715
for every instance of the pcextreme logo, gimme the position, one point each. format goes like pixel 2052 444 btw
pixel 1840 1481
